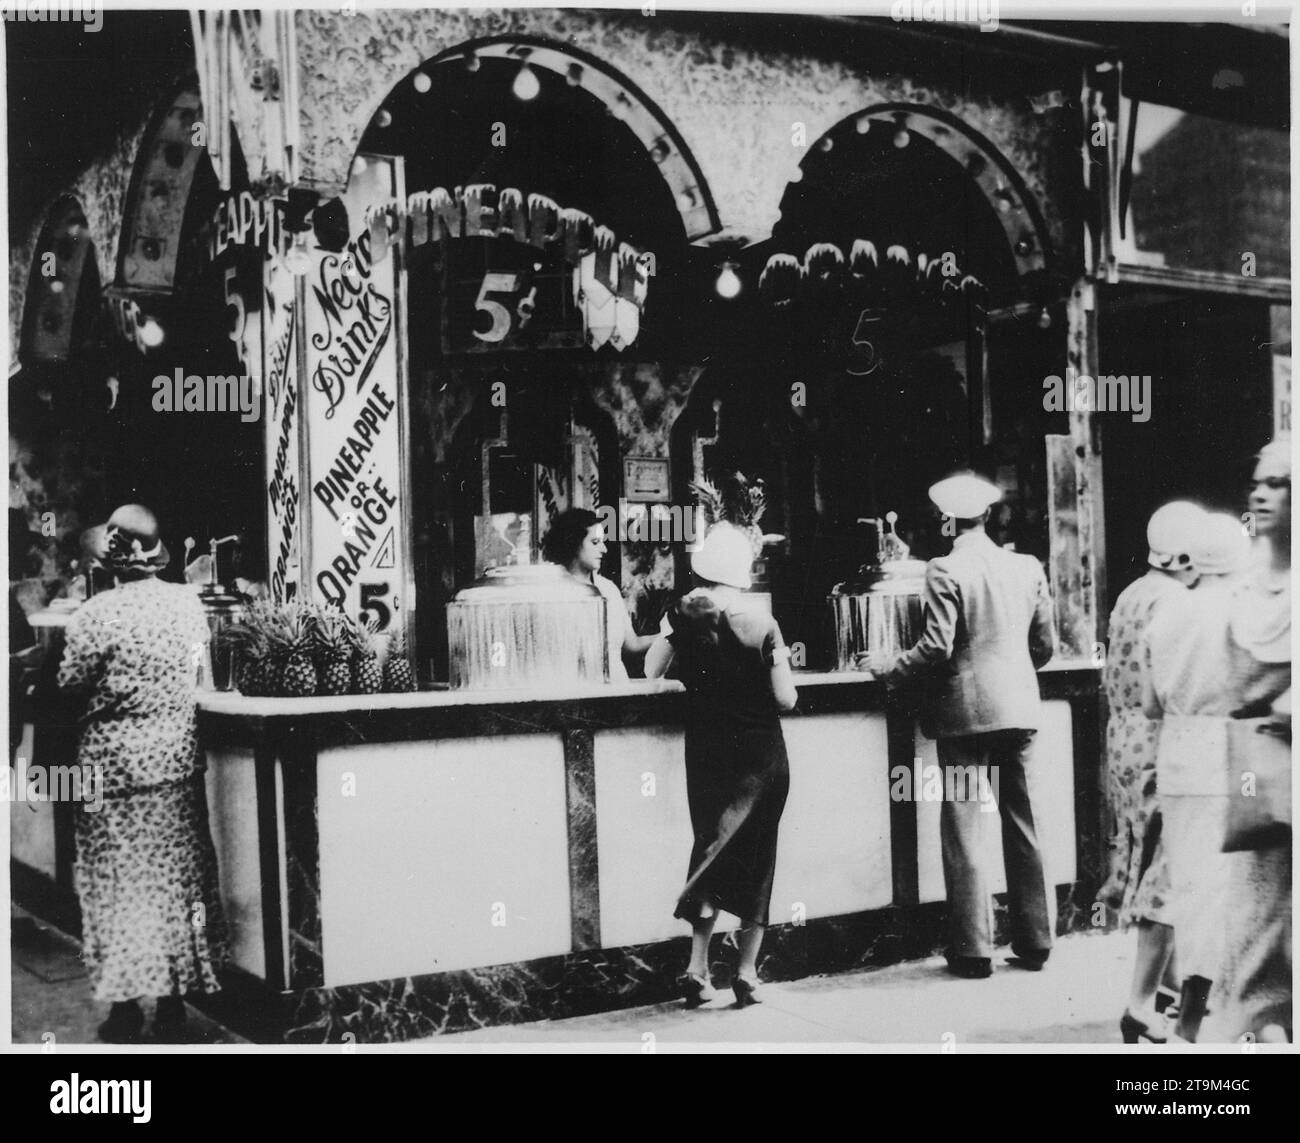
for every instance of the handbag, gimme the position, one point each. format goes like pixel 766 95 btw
pixel 1259 794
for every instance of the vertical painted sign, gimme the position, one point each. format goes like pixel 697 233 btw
pixel 281 414
pixel 356 480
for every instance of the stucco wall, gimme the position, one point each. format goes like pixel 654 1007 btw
pixel 733 101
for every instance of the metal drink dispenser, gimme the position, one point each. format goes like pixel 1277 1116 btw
pixel 879 610
pixel 528 625
pixel 224 608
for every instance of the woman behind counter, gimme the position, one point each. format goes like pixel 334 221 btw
pixel 576 541
pixel 736 670
pixel 146 870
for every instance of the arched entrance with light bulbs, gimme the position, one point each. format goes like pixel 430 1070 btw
pixel 550 210
pixel 895 327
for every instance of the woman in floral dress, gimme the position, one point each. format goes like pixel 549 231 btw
pixel 1139 879
pixel 146 870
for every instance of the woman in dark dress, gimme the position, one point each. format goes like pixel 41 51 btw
pixel 735 666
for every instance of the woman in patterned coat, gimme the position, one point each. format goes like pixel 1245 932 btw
pixel 146 870
pixel 1138 886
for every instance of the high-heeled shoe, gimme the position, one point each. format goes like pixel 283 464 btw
pixel 696 989
pixel 169 1020
pixel 748 990
pixel 124 1024
pixel 1133 1030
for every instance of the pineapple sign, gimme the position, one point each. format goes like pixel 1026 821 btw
pixel 354 395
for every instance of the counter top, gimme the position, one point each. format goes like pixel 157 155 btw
pixel 229 717
pixel 234 703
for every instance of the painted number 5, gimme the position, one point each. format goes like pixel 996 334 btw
pixel 233 298
pixel 372 603
pixel 495 284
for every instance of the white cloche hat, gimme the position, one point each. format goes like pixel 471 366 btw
pixel 1222 546
pixel 725 556
pixel 1172 532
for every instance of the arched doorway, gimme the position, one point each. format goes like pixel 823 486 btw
pixel 869 336
pixel 527 166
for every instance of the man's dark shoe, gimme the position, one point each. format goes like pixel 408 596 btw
pixel 970 967
pixel 1031 960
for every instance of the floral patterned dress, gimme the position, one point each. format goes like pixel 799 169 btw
pixel 146 870
pixel 1138 886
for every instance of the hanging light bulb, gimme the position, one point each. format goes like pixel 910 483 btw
pixel 422 82
pixel 1044 319
pixel 728 284
pixel 902 137
pixel 151 333
pixel 526 84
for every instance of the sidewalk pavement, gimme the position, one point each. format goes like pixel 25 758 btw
pixel 51 993
pixel 1076 999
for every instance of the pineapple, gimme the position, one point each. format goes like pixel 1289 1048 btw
pixel 398 675
pixel 298 678
pixel 367 678
pixel 334 642
pixel 737 500
pixel 252 646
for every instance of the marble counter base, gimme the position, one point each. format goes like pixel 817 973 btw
pixel 603 980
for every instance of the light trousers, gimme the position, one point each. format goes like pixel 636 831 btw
pixel 962 824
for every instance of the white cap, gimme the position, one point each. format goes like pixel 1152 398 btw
pixel 1221 545
pixel 1172 532
pixel 964 496
pixel 725 556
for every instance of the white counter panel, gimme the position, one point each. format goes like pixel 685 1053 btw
pixel 232 815
pixel 1051 780
pixel 445 855
pixel 833 853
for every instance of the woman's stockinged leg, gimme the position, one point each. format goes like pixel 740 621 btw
pixel 701 934
pixel 751 940
pixel 1155 946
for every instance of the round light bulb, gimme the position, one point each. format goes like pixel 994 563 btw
pixel 151 333
pixel 526 84
pixel 422 82
pixel 1044 319
pixel 384 118
pixel 728 284
pixel 902 138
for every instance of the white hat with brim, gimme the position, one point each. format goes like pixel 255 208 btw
pixel 1172 533
pixel 1222 546
pixel 964 496
pixel 726 556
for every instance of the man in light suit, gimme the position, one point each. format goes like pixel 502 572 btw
pixel 988 627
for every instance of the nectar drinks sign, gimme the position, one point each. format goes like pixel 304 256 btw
pixel 354 397
pixel 282 395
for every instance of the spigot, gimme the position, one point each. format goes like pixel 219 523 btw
pixel 213 545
